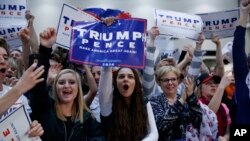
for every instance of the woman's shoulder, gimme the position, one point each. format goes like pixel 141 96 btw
pixel 156 97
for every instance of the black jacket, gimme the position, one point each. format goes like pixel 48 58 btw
pixel 43 110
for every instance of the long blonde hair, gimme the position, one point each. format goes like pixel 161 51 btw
pixel 79 104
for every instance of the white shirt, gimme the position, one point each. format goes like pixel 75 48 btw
pixel 21 101
pixel 95 108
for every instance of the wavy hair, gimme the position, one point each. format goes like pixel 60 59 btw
pixel 79 104
pixel 130 122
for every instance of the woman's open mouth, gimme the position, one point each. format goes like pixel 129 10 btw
pixel 125 87
pixel 3 70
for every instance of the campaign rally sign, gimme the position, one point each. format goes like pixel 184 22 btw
pixel 121 44
pixel 177 24
pixel 69 15
pixel 221 23
pixel 168 54
pixel 12 13
pixel 15 127
pixel 11 36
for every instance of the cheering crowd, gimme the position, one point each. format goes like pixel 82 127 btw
pixel 168 100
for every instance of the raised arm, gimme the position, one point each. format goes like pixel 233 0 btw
pixel 240 68
pixel 92 86
pixel 194 68
pixel 39 101
pixel 191 99
pixel 105 91
pixel 244 12
pixel 148 73
pixel 28 80
pixel 54 69
pixel 25 38
pixel 239 54
pixel 219 68
pixel 29 39
pixel 34 44
pixel 215 102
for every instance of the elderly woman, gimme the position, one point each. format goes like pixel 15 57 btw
pixel 173 113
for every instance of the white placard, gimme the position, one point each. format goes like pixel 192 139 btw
pixel 170 54
pixel 15 126
pixel 11 36
pixel 222 23
pixel 12 13
pixel 177 24
pixel 69 14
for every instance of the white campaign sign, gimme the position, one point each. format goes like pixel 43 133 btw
pixel 11 36
pixel 176 24
pixel 12 13
pixel 12 19
pixel 69 14
pixel 222 23
pixel 15 127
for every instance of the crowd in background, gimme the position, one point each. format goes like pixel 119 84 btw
pixel 168 100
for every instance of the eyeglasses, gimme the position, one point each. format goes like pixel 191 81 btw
pixel 167 80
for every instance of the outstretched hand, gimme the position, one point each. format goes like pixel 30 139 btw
pixel 226 80
pixel 36 129
pixel 53 71
pixel 200 39
pixel 153 32
pixel 48 37
pixel 215 38
pixel 24 35
pixel 10 81
pixel 244 12
pixel 32 33
pixel 189 86
pixel 190 49
pixel 109 20
pixel 166 62
pixel 30 78
pixel 245 6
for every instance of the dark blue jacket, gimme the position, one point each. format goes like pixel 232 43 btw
pixel 240 73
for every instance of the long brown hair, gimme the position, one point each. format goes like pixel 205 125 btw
pixel 130 122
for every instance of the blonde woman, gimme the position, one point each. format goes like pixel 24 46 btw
pixel 65 115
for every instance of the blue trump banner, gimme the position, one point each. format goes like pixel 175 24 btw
pixel 122 44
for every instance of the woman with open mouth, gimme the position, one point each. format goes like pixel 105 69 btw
pixel 125 114
pixel 63 114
